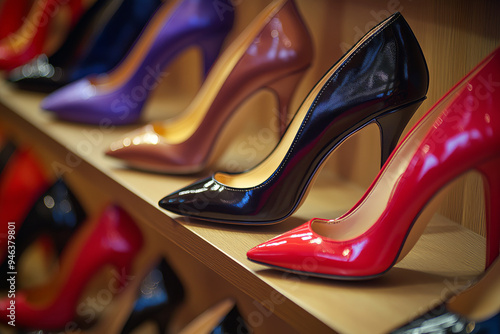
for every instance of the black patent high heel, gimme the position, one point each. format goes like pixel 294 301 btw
pixel 56 214
pixel 160 293
pixel 382 79
pixel 391 125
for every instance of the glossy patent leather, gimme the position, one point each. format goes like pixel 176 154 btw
pixel 383 79
pixel 11 15
pixel 96 45
pixel 273 52
pixel 461 132
pixel 160 294
pixel 30 39
pixel 22 181
pixel 114 240
pixel 56 214
pixel 118 97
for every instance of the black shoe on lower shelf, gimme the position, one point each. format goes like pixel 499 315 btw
pixel 160 293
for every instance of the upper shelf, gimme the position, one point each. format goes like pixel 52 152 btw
pixel 443 261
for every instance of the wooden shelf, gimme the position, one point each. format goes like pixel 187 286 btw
pixel 443 262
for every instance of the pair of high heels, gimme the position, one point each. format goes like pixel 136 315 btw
pixel 118 97
pixel 112 239
pixel 96 44
pixel 273 52
pixel 390 81
pixel 33 35
pixel 460 133
pixel 382 80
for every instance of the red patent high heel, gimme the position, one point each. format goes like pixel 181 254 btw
pixel 461 132
pixel 114 240
pixel 22 181
pixel 11 15
pixel 30 39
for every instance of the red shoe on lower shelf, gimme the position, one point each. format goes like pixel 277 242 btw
pixel 113 241
pixel 22 181
pixel 460 133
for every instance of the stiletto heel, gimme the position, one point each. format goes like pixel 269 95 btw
pixel 161 292
pixel 454 137
pixel 114 240
pixel 273 190
pixel 95 45
pixel 275 46
pixel 284 89
pixel 118 97
pixel 491 175
pixel 391 125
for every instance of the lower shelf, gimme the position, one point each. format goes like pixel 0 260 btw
pixel 443 262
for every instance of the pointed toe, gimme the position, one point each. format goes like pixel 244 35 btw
pixel 284 250
pixel 49 103
pixel 258 254
pixel 145 149
pixel 69 102
pixel 171 202
pixel 130 147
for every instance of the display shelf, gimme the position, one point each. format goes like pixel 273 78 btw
pixel 443 262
